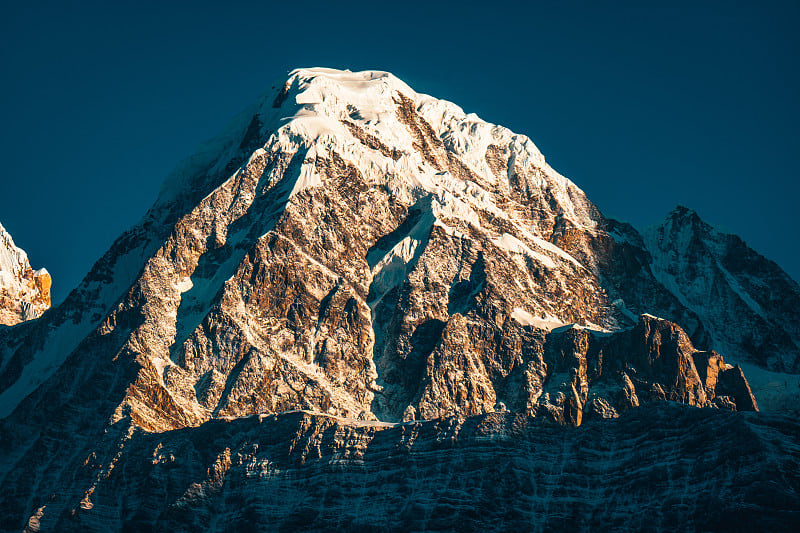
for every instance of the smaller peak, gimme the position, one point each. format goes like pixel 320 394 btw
pixel 681 211
pixel 685 216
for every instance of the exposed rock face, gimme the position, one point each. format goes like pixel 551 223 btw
pixel 24 292
pixel 381 255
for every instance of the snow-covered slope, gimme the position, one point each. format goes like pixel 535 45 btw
pixel 356 249
pixel 24 292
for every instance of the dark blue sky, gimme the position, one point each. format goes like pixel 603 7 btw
pixel 643 108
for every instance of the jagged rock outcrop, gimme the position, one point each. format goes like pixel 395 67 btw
pixel 591 375
pixel 354 249
pixel 24 292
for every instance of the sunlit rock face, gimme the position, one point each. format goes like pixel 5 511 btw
pixel 24 292
pixel 354 249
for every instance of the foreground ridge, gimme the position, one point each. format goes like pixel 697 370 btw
pixel 300 471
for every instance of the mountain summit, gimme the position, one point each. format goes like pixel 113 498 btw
pixel 371 255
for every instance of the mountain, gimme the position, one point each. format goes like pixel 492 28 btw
pixel 371 256
pixel 24 292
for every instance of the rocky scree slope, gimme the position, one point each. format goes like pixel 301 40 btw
pixel 352 248
pixel 24 292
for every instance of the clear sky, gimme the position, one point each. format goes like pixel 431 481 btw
pixel 643 108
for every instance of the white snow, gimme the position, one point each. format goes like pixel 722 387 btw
pixel 740 292
pixel 513 245
pixel 325 97
pixel 7 279
pixel 184 284
pixel 309 177
pixel 391 270
pixel 160 364
pixel 526 319
pixel 595 327
pixel 552 248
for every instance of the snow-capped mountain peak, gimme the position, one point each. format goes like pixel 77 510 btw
pixel 350 250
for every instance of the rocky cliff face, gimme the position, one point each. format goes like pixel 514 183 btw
pixel 24 292
pixel 357 250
